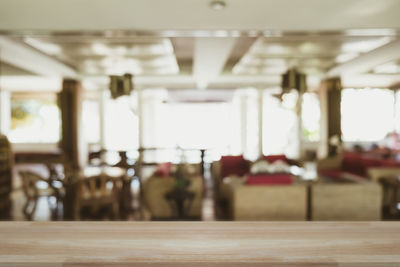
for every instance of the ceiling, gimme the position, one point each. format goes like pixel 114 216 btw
pixel 9 70
pixel 156 15
pixel 185 44
pixel 108 56
pixel 313 55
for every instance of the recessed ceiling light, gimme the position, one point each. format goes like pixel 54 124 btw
pixel 217 5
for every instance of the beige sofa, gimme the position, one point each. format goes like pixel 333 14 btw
pixel 155 189
pixel 265 202
pixel 372 195
pixel 374 173
pixel 346 201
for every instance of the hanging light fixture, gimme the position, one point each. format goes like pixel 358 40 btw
pixel 293 80
pixel 121 85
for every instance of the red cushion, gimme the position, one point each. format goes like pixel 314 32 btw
pixel 273 158
pixel 390 163
pixel 368 163
pixel 335 174
pixel 269 179
pixel 163 169
pixel 338 175
pixel 233 165
pixel 352 163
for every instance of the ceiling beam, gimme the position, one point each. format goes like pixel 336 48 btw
pixel 188 81
pixel 366 62
pixel 371 80
pixel 210 56
pixel 27 58
pixel 242 46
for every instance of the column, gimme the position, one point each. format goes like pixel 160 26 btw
pixel 72 140
pixel 330 99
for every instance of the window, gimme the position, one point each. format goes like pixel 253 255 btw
pixel 35 118
pixel 121 124
pixel 367 114
pixel 280 125
pixel 91 121
pixel 397 112
pixel 188 125
pixel 203 125
pixel 310 117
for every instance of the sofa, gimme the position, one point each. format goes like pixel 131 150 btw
pixel 347 200
pixel 356 165
pixel 267 202
pixel 162 181
pixel 277 197
pixel 235 166
pixel 352 165
pixel 246 196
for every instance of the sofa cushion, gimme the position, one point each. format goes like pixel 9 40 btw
pixel 369 163
pixel 233 165
pixel 163 169
pixel 273 158
pixel 333 174
pixel 390 163
pixel 259 167
pixel 269 179
pixel 340 176
pixel 353 163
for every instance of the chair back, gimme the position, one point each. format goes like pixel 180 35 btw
pixel 29 180
pixel 98 186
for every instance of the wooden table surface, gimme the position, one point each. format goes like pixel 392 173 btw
pixel 200 244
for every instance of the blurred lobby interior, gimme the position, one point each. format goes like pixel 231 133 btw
pixel 200 110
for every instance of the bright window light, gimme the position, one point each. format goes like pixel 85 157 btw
pixel 280 126
pixel 121 125
pixel 397 112
pixel 169 125
pixel 91 121
pixel 310 117
pixel 367 114
pixel 34 119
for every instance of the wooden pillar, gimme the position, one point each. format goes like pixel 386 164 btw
pixel 72 140
pixel 330 97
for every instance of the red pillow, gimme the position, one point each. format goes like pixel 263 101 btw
pixel 352 163
pixel 269 179
pixel 273 158
pixel 390 163
pixel 334 174
pixel 163 169
pixel 370 162
pixel 233 165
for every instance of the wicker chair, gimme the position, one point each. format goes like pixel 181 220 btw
pixel 33 192
pixel 96 193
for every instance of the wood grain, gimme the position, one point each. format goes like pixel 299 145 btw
pixel 199 244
